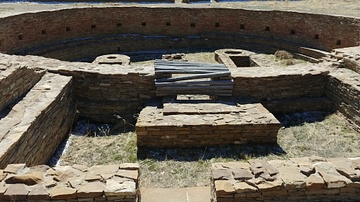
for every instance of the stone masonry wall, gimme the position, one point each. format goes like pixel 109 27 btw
pixel 296 179
pixel 69 183
pixel 103 92
pixel 15 81
pixel 269 83
pixel 202 125
pixel 343 88
pixel 32 32
pixel 33 129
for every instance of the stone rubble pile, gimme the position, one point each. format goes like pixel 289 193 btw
pixel 69 183
pixel 296 179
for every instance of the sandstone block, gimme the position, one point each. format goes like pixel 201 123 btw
pixel 224 187
pixel 62 193
pixel 14 168
pixel 38 192
pixel 91 190
pixel 241 174
pixel 28 179
pixel 314 182
pixel 116 188
pixel 243 187
pixel 331 177
pixel 16 192
pixel 131 174
pixel 221 174
pixel 345 168
pixel 292 177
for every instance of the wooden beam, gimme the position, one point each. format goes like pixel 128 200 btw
pixel 200 76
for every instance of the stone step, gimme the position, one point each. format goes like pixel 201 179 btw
pixel 189 194
pixel 35 126
pixel 185 126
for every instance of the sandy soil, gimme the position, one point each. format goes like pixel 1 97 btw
pixel 333 7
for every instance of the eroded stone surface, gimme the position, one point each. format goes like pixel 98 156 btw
pixel 70 183
pixel 308 178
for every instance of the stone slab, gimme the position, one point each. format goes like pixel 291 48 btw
pixel 191 194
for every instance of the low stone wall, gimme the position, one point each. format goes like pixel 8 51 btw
pixel 343 88
pixel 206 125
pixel 297 179
pixel 267 83
pixel 69 183
pixel 104 92
pixel 15 81
pixel 32 130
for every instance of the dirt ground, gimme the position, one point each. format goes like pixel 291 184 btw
pixel 333 7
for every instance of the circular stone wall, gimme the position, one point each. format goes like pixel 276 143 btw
pixel 84 33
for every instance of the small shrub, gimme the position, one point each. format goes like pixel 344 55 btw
pixel 281 54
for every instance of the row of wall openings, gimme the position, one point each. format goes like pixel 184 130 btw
pixel 242 27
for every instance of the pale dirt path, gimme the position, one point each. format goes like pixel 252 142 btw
pixel 334 7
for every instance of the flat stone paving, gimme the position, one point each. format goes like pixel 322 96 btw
pixel 205 114
pixel 190 194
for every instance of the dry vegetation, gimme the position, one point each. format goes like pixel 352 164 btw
pixel 304 134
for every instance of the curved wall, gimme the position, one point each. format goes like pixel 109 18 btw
pixel 72 34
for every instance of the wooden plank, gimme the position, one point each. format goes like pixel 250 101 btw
pixel 226 94
pixel 192 91
pixel 193 83
pixel 182 71
pixel 189 65
pixel 200 76
pixel 195 88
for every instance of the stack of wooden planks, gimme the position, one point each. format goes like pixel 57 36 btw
pixel 181 78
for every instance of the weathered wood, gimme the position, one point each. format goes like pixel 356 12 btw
pixel 195 88
pixel 182 71
pixel 186 64
pixel 199 76
pixel 213 93
pixel 196 83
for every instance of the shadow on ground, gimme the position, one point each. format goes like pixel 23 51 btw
pixel 297 119
pixel 235 152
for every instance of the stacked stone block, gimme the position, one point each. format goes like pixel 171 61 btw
pixel 69 183
pixel 297 179
pixel 343 88
pixel 35 126
pixel 199 125
pixel 15 81
pixel 278 82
